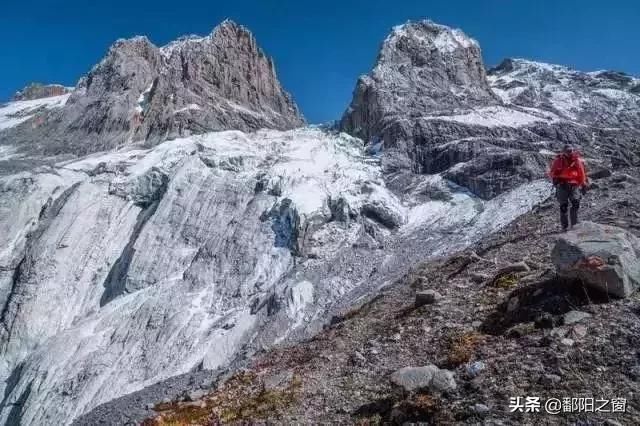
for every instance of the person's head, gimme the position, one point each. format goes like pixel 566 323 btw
pixel 568 150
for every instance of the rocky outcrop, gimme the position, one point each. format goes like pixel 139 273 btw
pixel 38 91
pixel 422 69
pixel 142 93
pixel 428 107
pixel 603 257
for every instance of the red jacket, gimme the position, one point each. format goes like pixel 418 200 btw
pixel 569 169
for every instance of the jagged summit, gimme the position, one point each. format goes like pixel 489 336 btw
pixel 422 68
pixel 143 93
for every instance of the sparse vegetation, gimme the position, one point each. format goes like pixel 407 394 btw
pixel 242 398
pixel 505 281
pixel 462 347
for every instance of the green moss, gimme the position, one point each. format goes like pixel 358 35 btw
pixel 506 281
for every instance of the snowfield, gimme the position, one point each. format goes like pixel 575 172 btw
pixel 14 113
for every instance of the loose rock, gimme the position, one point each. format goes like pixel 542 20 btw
pixel 427 297
pixel 426 377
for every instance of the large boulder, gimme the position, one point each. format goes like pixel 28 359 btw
pixel 603 257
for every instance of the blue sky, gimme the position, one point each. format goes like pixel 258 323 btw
pixel 320 47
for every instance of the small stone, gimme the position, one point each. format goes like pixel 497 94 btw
pixel 475 368
pixel 573 317
pixel 150 406
pixel 545 320
pixel 480 409
pixel 579 331
pixel 476 324
pixel 567 342
pixel 551 379
pixel 610 422
pixel 278 380
pixel 195 395
pixel 427 297
pixel 358 358
pixel 513 268
pixel 479 278
pixel 634 373
pixel 559 332
pixel 600 174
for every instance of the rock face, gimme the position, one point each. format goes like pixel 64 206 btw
pixel 422 69
pixel 428 107
pixel 38 91
pixel 604 257
pixel 142 93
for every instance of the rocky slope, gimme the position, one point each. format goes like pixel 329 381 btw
pixel 143 93
pixel 502 335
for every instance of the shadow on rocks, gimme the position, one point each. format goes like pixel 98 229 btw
pixel 542 303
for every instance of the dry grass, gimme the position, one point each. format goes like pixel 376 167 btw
pixel 462 347
pixel 242 398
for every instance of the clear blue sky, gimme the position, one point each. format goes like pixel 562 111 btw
pixel 320 47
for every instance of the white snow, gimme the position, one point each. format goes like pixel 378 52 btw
pixel 495 116
pixel 190 107
pixel 27 109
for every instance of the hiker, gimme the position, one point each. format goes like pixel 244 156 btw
pixel 570 180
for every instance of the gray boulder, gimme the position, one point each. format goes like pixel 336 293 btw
pixel 426 377
pixel 603 257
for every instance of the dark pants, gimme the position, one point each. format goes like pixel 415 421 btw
pixel 566 193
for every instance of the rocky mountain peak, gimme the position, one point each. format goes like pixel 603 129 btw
pixel 422 68
pixel 143 93
pixel 38 91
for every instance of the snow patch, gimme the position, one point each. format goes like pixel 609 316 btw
pixel 14 113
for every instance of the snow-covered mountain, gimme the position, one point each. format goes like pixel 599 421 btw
pixel 602 98
pixel 171 215
pixel 430 106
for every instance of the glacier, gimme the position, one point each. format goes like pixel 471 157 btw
pixel 124 268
